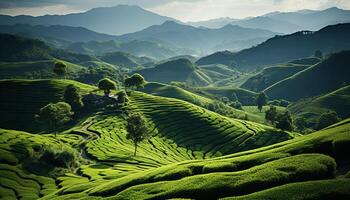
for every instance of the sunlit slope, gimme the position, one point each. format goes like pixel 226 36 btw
pixel 238 174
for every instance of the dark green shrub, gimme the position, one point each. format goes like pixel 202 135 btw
pixel 327 119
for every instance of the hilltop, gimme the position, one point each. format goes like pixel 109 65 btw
pixel 281 49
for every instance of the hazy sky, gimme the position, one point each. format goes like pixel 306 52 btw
pixel 185 10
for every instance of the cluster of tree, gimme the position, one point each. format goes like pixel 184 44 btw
pixel 60 69
pixel 281 102
pixel 280 120
pixel 325 120
pixel 234 102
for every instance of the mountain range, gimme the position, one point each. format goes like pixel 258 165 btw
pixel 201 39
pixel 280 49
pixel 285 22
pixel 115 20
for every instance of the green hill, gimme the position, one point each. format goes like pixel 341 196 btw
pixel 125 60
pixel 246 97
pixel 313 108
pixel 271 75
pixel 281 49
pixel 24 98
pixel 181 70
pixel 329 75
pixel 193 153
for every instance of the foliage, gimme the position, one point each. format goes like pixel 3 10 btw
pixel 285 121
pixel 135 81
pixel 60 68
pixel 137 128
pixel 271 115
pixel 73 97
pixel 107 85
pixel 261 100
pixel 122 97
pixel 327 119
pixel 56 114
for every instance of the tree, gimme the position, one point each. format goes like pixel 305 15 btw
pixel 122 97
pixel 72 97
pixel 318 54
pixel 137 128
pixel 285 121
pixel 225 100
pixel 271 115
pixel 60 68
pixel 327 119
pixel 300 123
pixel 55 114
pixel 107 85
pixel 234 97
pixel 261 100
pixel 237 105
pixel 135 81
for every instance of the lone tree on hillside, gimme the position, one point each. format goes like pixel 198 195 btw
pixel 137 128
pixel 72 97
pixel 60 68
pixel 285 121
pixel 327 119
pixel 135 81
pixel 56 114
pixel 261 100
pixel 271 115
pixel 107 85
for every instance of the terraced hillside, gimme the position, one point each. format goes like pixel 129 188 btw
pixel 22 99
pixel 297 164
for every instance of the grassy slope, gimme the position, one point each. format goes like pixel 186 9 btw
pixel 240 173
pixel 338 100
pixel 170 91
pixel 24 98
pixel 246 97
pixel 271 75
pixel 30 69
pixel 324 77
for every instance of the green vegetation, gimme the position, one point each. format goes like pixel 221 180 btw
pixel 107 85
pixel 60 68
pixel 329 75
pixel 125 60
pixel 261 100
pixel 137 128
pixel 272 75
pixel 25 98
pixel 135 81
pixel 312 108
pixel 55 114
pixel 73 97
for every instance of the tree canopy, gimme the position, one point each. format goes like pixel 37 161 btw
pixel 56 114
pixel 137 128
pixel 107 85
pixel 60 68
pixel 261 100
pixel 135 81
pixel 72 97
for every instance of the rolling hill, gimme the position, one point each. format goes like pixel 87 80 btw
pixel 153 49
pixel 313 108
pixel 327 76
pixel 24 98
pixel 181 70
pixel 281 49
pixel 285 22
pixel 271 75
pixel 115 20
pixel 202 39
pixel 126 60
